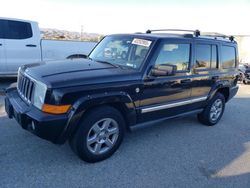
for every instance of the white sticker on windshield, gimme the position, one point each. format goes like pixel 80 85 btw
pixel 141 42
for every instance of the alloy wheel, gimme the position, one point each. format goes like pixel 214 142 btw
pixel 102 136
pixel 216 110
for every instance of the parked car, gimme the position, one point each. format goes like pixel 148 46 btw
pixel 20 43
pixel 127 80
pixel 244 73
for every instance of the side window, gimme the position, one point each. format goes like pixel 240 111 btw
pixel 1 29
pixel 174 54
pixel 228 57
pixel 18 30
pixel 206 56
pixel 203 56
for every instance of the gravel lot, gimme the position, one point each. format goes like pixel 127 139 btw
pixel 174 153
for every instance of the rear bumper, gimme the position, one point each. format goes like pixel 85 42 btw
pixel 42 124
pixel 233 91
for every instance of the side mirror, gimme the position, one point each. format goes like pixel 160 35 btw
pixel 163 70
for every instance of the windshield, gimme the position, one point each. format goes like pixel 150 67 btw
pixel 122 51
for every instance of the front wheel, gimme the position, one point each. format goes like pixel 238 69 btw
pixel 213 111
pixel 99 135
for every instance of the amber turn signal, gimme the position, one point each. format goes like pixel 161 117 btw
pixel 55 109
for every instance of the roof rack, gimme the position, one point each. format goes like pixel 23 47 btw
pixel 218 35
pixel 195 32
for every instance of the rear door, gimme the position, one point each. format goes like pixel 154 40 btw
pixel 21 45
pixel 2 44
pixel 205 69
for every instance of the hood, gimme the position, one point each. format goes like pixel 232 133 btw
pixel 76 72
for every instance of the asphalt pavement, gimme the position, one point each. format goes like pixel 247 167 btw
pixel 173 153
pixel 5 83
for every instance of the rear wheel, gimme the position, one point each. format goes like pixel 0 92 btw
pixel 99 135
pixel 213 111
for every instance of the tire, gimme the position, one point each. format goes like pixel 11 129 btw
pixel 99 135
pixel 211 115
pixel 245 82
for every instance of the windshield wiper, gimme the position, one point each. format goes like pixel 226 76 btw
pixel 106 62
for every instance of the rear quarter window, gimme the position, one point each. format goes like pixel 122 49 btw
pixel 228 57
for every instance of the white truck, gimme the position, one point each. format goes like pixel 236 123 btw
pixel 21 43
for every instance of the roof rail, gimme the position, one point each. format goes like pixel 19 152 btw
pixel 195 32
pixel 216 35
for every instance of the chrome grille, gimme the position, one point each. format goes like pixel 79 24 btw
pixel 25 87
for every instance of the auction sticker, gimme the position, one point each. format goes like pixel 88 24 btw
pixel 141 42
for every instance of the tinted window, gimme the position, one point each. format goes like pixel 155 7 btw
pixel 174 54
pixel 18 30
pixel 203 56
pixel 1 29
pixel 206 56
pixel 228 57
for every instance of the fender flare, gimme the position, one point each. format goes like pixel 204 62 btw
pixel 82 105
pixel 216 87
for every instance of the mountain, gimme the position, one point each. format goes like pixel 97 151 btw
pixel 48 33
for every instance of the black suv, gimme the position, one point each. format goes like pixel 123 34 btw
pixel 127 80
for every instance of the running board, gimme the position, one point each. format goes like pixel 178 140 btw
pixel 150 123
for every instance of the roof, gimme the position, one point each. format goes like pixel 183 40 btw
pixel 16 19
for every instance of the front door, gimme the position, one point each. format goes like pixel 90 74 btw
pixel 164 96
pixel 22 47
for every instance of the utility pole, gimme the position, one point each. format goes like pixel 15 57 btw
pixel 81 38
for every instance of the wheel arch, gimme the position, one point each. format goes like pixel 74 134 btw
pixel 225 92
pixel 118 100
pixel 223 89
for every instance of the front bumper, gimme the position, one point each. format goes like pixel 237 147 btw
pixel 42 124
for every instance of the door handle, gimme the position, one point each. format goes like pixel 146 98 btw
pixel 0 44
pixel 30 45
pixel 186 81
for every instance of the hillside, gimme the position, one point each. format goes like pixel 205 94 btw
pixel 48 33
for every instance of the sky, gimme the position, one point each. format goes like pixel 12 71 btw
pixel 129 16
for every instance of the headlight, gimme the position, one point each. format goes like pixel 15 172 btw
pixel 39 94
